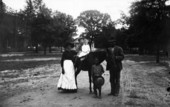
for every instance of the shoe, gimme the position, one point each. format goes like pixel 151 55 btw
pixel 99 97
pixel 95 96
pixel 110 94
pixel 115 94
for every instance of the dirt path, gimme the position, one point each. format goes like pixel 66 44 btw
pixel 142 85
pixel 146 84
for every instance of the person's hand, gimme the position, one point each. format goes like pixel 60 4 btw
pixel 92 79
pixel 63 72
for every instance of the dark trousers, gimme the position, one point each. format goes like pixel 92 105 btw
pixel 115 80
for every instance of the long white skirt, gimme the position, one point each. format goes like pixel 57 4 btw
pixel 67 80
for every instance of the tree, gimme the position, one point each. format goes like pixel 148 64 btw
pixel 63 26
pixel 147 23
pixel 123 21
pixel 42 27
pixel 38 19
pixel 93 21
pixel 27 16
pixel 2 11
pixel 8 28
pixel 108 31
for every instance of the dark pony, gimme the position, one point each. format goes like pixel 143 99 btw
pixel 87 63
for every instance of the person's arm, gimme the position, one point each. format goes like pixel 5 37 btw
pixel 74 53
pixel 62 61
pixel 107 55
pixel 120 55
pixel 102 69
pixel 86 48
pixel 92 73
pixel 92 70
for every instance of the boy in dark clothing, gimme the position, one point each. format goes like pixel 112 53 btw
pixel 97 71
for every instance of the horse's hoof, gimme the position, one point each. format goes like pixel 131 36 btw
pixel 168 89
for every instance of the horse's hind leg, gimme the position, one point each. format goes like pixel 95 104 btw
pixel 77 70
pixel 90 87
pixel 76 73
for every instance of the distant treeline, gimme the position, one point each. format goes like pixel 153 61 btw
pixel 145 31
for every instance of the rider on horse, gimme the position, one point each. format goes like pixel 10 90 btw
pixel 83 51
pixel 84 48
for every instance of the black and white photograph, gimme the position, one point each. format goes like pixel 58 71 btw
pixel 84 53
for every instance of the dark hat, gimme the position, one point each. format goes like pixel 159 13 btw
pixel 111 43
pixel 68 44
pixel 111 40
pixel 99 81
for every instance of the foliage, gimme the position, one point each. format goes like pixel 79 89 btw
pixel 123 21
pixel 63 27
pixel 8 23
pixel 47 28
pixel 93 21
pixel 108 31
pixel 27 16
pixel 147 19
pixel 2 9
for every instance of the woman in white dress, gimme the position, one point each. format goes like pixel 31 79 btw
pixel 67 81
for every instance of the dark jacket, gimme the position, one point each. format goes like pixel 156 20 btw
pixel 114 58
pixel 97 70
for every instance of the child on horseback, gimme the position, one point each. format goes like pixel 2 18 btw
pixel 83 51
pixel 84 48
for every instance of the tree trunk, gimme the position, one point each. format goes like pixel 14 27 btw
pixel 36 48
pixel 141 51
pixel 157 54
pixel 45 48
pixel 50 51
pixel 61 49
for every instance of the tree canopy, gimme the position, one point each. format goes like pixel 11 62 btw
pixel 64 26
pixel 45 27
pixel 146 23
pixel 93 21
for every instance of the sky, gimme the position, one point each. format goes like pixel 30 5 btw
pixel 75 7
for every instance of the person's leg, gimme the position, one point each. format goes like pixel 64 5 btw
pixel 117 82
pixel 100 88
pixel 113 86
pixel 112 82
pixel 95 90
pixel 94 86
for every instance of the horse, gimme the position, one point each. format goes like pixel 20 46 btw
pixel 87 63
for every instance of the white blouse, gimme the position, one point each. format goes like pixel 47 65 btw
pixel 85 50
